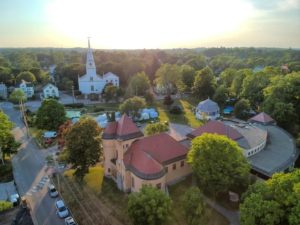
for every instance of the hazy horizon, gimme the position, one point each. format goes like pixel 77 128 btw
pixel 135 24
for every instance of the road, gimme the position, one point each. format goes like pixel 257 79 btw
pixel 31 173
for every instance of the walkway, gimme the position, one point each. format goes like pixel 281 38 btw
pixel 232 216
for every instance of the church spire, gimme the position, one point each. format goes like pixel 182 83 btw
pixel 90 63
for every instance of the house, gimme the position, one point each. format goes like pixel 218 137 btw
pixel 3 91
pixel 50 91
pixel 27 88
pixel 133 160
pixel 207 109
pixel 91 82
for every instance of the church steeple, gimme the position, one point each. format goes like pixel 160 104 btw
pixel 90 63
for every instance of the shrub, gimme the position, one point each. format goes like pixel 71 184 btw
pixel 168 100
pixel 74 105
pixel 176 109
pixel 98 109
pixel 5 205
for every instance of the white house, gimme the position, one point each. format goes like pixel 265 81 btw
pixel 50 90
pixel 91 82
pixel 27 88
pixel 3 91
pixel 207 109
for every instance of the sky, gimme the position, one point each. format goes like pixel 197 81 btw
pixel 139 24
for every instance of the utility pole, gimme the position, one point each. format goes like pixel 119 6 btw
pixel 23 115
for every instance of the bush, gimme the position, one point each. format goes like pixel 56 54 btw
pixel 6 174
pixel 176 109
pixel 168 100
pixel 5 205
pixel 74 105
pixel 98 109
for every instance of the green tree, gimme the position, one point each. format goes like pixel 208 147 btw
pixel 282 96
pixel 187 76
pixel 40 75
pixel 84 146
pixel 17 95
pixel 50 115
pixel 150 206
pixel 110 92
pixel 27 76
pixel 168 76
pixel 193 206
pixel 138 84
pixel 5 127
pixel 241 108
pixel 227 77
pixel 221 95
pixel 275 201
pixel 132 106
pixel 236 86
pixel 155 128
pixel 218 162
pixel 198 62
pixel 5 76
pixel 204 84
pixel 252 88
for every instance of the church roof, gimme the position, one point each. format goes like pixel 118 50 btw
pixel 262 118
pixel 124 129
pixel 208 106
pixel 146 157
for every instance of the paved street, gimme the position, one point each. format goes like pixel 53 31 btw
pixel 31 173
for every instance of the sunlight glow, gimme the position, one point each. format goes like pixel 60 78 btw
pixel 146 24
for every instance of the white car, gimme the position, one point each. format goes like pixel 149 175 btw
pixel 70 221
pixel 61 210
pixel 52 191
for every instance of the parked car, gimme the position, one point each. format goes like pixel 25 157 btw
pixel 61 210
pixel 70 221
pixel 52 191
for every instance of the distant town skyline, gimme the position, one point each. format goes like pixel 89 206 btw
pixel 137 24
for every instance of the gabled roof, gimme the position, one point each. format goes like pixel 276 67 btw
pixel 124 129
pixel 216 127
pixel 146 157
pixel 49 84
pixel 262 118
pixel 109 74
pixel 208 106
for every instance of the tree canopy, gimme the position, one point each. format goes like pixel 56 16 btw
pixel 27 76
pixel 273 202
pixel 193 206
pixel 150 206
pixel 83 143
pixel 168 76
pixel 132 106
pixel 155 128
pixel 17 95
pixel 204 84
pixel 242 108
pixel 50 115
pixel 218 162
pixel 138 84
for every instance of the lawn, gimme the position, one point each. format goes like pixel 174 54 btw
pixel 93 179
pixel 187 117
pixel 176 192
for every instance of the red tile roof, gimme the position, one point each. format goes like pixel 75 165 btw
pixel 146 157
pixel 124 129
pixel 262 118
pixel 216 127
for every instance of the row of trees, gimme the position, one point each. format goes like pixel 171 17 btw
pixel 8 144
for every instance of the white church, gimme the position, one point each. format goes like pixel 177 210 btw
pixel 91 82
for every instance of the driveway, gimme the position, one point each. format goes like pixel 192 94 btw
pixel 31 173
